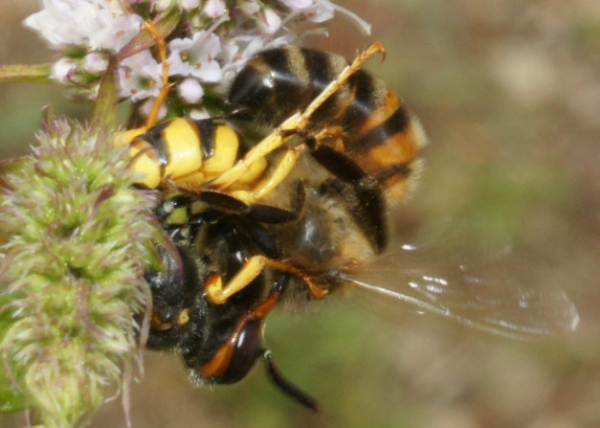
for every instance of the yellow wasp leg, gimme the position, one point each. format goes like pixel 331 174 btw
pixel 281 170
pixel 161 46
pixel 218 294
pixel 295 123
pixel 272 142
pixel 336 84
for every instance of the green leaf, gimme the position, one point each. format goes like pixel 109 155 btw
pixel 39 73
pixel 105 107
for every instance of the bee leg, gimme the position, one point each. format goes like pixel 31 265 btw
pixel 294 124
pixel 366 202
pixel 316 290
pixel 262 237
pixel 161 47
pixel 234 359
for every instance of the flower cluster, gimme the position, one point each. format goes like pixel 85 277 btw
pixel 71 286
pixel 209 45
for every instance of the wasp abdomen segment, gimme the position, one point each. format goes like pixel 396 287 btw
pixel 187 152
pixel 373 126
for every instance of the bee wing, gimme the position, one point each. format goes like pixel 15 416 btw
pixel 484 294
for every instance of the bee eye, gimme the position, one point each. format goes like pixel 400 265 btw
pixel 247 349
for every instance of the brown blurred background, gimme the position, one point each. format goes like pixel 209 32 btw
pixel 509 93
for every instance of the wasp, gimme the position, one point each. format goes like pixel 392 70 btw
pixel 219 343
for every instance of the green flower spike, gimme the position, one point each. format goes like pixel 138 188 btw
pixel 77 238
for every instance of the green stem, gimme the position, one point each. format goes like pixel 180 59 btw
pixel 39 73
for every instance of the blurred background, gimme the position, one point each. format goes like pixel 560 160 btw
pixel 509 93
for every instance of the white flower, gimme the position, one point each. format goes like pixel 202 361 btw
pixel 191 91
pixel 90 23
pixel 215 8
pixel 160 4
pixel 140 76
pixel 324 10
pixel 320 13
pixel 248 7
pixel 196 57
pixel 147 106
pixel 199 114
pixel 63 69
pixel 214 40
pixel 270 22
pixel 189 4
pixel 297 5
pixel 95 62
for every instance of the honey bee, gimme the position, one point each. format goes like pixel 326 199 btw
pixel 352 124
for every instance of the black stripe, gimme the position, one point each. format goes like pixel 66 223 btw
pixel 339 164
pixel 402 169
pixel 248 89
pixel 320 71
pixel 154 136
pixel 206 129
pixel 278 62
pixel 287 94
pixel 396 123
pixel 365 100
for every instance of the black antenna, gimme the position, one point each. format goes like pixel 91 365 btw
pixel 286 386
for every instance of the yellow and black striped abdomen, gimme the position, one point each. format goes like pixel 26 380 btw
pixel 374 127
pixel 187 152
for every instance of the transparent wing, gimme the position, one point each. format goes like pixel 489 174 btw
pixel 488 294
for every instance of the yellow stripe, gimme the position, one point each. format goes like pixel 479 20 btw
pixel 226 144
pixel 182 142
pixel 145 164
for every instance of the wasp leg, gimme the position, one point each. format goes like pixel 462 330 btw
pixel 282 168
pixel 294 124
pixel 258 212
pixel 220 363
pixel 271 142
pixel 224 203
pixel 161 47
pixel 366 202
pixel 337 84
pixel 218 293
pixel 234 359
